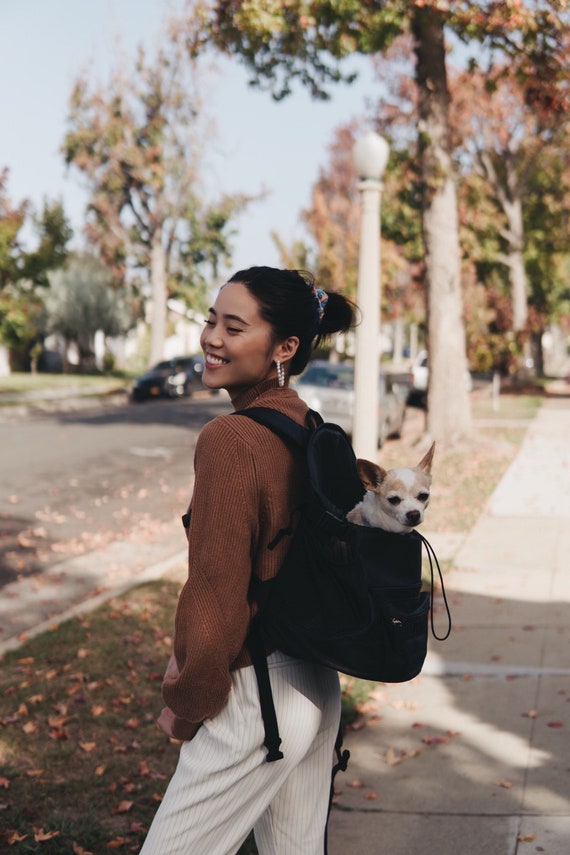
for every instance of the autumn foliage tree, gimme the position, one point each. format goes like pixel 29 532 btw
pixel 505 141
pixel 512 185
pixel 305 41
pixel 333 216
pixel 139 143
pixel 24 268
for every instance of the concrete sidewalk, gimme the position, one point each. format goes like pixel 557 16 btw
pixel 473 756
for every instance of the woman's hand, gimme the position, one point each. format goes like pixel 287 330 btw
pixel 166 721
pixel 176 728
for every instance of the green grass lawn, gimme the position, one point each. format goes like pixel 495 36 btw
pixel 22 382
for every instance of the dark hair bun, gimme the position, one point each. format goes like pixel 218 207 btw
pixel 289 302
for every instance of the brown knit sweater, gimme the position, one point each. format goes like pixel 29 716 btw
pixel 247 482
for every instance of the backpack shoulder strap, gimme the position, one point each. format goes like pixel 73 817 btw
pixel 284 426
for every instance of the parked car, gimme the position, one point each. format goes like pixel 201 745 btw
pixel 328 388
pixel 420 374
pixel 420 378
pixel 172 378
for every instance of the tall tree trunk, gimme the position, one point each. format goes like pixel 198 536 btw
pixel 508 196
pixel 4 360
pixel 515 262
pixel 449 408
pixel 158 286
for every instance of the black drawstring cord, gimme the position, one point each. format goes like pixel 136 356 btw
pixel 431 555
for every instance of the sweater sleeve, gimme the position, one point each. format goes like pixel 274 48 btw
pixel 213 613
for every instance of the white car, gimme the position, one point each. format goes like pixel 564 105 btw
pixel 328 388
pixel 420 377
pixel 420 373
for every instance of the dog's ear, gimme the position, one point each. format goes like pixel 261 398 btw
pixel 370 474
pixel 425 462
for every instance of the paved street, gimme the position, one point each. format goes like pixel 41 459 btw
pixel 75 481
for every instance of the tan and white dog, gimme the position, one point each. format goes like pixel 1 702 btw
pixel 395 499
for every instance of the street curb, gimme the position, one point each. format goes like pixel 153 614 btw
pixel 152 573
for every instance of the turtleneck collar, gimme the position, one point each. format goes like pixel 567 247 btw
pixel 249 396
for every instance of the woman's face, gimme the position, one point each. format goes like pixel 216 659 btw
pixel 236 341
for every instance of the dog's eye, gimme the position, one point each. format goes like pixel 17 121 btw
pixel 394 500
pixel 423 497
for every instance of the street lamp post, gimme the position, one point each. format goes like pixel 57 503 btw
pixel 370 155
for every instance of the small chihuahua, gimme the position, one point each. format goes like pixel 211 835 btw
pixel 395 499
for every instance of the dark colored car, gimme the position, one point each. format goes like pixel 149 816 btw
pixel 329 388
pixel 172 378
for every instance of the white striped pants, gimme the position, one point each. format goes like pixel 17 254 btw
pixel 223 786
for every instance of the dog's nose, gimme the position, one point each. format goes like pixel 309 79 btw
pixel 413 517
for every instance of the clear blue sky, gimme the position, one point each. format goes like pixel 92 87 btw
pixel 45 43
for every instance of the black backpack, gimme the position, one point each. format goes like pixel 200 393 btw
pixel 346 596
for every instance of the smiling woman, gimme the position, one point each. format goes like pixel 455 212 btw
pixel 260 330
pixel 237 342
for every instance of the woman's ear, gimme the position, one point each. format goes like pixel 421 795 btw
pixel 286 349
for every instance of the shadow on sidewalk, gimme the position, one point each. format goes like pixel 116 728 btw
pixel 482 732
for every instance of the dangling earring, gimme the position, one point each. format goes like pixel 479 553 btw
pixel 280 373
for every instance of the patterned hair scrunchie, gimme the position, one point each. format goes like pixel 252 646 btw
pixel 322 298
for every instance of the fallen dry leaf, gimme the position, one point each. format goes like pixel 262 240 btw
pixel 394 757
pixel 435 740
pixel 526 838
pixel 59 733
pixel 506 785
pixel 12 836
pixel 122 807
pixel 98 709
pixel 40 835
pixel 57 721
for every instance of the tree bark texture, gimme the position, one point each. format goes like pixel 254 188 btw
pixel 449 408
pixel 517 272
pixel 159 296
